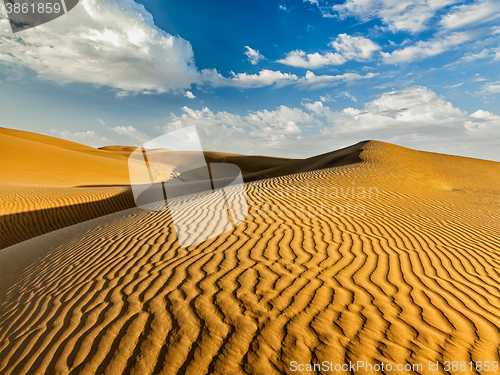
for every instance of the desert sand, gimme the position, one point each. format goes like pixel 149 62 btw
pixel 48 183
pixel 375 253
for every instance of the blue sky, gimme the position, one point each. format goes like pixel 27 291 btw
pixel 285 78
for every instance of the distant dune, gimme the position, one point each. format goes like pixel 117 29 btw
pixel 374 253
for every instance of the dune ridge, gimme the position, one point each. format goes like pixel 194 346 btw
pixel 413 280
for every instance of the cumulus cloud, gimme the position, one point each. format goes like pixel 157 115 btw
pixel 482 121
pixel 115 43
pixel 469 14
pixel 189 95
pixel 415 117
pixel 422 49
pixel 253 56
pixel 256 132
pixel 348 48
pixel 106 43
pixel 404 15
pixel 416 106
pixel 354 47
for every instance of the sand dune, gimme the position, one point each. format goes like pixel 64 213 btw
pixel 30 159
pixel 410 275
pixel 48 183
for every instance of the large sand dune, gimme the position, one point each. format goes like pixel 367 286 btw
pixel 48 183
pixel 409 273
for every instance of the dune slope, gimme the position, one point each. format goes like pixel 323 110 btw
pixel 410 275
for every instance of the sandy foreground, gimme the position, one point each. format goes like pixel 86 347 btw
pixel 393 259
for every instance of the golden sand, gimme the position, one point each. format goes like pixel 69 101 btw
pixel 410 275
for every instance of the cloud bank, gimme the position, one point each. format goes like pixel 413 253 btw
pixel 415 117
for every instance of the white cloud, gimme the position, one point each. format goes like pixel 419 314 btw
pixel 270 77
pixel 132 133
pixel 493 88
pixel 415 117
pixel 122 94
pixel 453 86
pixel 255 132
pixel 327 98
pixel 486 53
pixel 116 44
pixel 101 122
pixel 430 48
pixel 189 95
pixel 244 81
pixel 416 106
pixel 314 82
pixel 89 137
pixel 402 15
pixel 348 96
pixel 106 43
pixel 347 47
pixel 476 56
pixel 354 47
pixel 300 59
pixel 481 121
pixel 468 14
pixel 253 56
